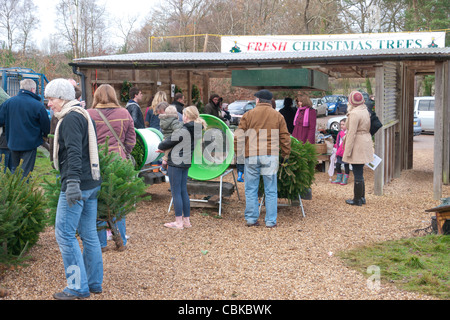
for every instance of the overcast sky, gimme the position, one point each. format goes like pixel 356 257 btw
pixel 47 12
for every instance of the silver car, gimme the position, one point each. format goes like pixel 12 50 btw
pixel 335 123
pixel 238 108
pixel 320 106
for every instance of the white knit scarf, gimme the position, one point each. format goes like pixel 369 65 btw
pixel 93 149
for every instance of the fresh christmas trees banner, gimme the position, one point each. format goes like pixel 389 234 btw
pixel 332 42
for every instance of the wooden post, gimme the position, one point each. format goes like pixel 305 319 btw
pixel 446 123
pixel 438 130
pixel 170 98
pixel 189 88
pixel 406 117
pixel 380 135
pixel 205 45
pixel 88 85
pixel 410 116
pixel 205 88
pixel 396 147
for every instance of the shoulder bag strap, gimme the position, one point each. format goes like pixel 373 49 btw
pixel 111 129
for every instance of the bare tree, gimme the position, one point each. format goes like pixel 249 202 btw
pixel 358 15
pixel 139 39
pixel 82 24
pixel 126 27
pixel 184 18
pixel 8 19
pixel 94 26
pixel 70 19
pixel 28 22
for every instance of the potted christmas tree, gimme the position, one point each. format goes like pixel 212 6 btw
pixel 296 175
pixel 120 191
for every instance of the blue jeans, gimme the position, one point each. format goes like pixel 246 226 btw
pixel 84 271
pixel 6 154
pixel 267 167
pixel 178 187
pixel 102 233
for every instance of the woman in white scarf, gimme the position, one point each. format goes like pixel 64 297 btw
pixel 76 156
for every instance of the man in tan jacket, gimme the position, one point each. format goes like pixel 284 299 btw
pixel 261 133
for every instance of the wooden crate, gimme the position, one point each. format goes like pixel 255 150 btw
pixel 442 215
pixel 321 148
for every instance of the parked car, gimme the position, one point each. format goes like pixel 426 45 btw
pixel 334 123
pixel 238 108
pixel 417 126
pixel 424 110
pixel 279 104
pixel 320 106
pixel 336 103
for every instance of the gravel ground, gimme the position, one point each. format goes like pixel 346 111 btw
pixel 223 259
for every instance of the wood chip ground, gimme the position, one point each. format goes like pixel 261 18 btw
pixel 224 259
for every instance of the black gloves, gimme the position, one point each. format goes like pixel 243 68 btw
pixel 73 192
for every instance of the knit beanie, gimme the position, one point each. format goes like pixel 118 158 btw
pixel 356 98
pixel 60 89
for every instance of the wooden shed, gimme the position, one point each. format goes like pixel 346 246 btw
pixel 394 71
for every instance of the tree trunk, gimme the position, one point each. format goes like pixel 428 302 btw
pixel 116 236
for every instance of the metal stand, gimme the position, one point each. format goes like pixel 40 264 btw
pixel 283 205
pixel 220 192
pixel 151 169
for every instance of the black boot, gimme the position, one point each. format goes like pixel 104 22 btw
pixel 358 188
pixel 363 196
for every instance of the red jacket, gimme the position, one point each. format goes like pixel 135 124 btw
pixel 122 123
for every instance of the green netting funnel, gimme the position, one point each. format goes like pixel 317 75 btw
pixel 147 141
pixel 214 153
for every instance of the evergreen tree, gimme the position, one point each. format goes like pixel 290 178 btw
pixel 120 191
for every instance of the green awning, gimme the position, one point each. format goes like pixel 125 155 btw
pixel 279 79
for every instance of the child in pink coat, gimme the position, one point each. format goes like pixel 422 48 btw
pixel 341 179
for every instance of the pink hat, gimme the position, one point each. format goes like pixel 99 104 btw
pixel 356 98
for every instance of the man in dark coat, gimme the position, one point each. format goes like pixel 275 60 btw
pixel 213 106
pixel 288 113
pixel 178 102
pixel 134 109
pixel 26 122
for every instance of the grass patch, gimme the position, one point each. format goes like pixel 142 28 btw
pixel 43 167
pixel 419 264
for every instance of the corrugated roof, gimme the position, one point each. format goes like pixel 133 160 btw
pixel 442 53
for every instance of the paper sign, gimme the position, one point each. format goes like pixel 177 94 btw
pixel 374 164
